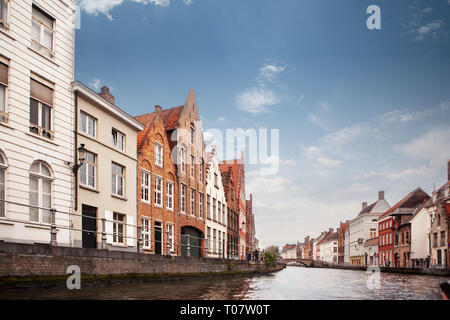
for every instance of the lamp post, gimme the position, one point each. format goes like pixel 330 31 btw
pixel 81 158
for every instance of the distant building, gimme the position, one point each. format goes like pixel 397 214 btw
pixel 371 251
pixel 289 251
pixel 329 248
pixel 364 227
pixel 420 241
pixel 343 227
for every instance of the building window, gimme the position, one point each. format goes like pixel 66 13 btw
pixel 435 239
pixel 443 240
pixel 40 192
pixel 2 186
pixel 214 209
pixel 192 134
pixel 145 186
pixel 87 124
pixel 169 195
pixel 208 235
pixel 200 205
pixel 219 213
pixel 183 160
pixel 41 102
pixel 118 228
pixel 373 233
pixel 3 91
pixel 118 139
pixel 146 233
pixel 192 167
pixel 88 170
pixel 183 198
pixel 170 237
pixel 158 154
pixel 216 184
pixel 4 14
pixel 214 240
pixel 208 206
pixel 192 202
pixel 118 179
pixel 42 30
pixel 200 171
pixel 224 210
pixel 158 191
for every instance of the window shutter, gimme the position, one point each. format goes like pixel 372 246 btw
pixel 4 74
pixel 131 231
pixel 109 226
pixel 41 92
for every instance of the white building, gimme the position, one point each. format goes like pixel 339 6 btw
pixel 289 251
pixel 364 227
pixel 216 211
pixel 329 248
pixel 347 245
pixel 420 241
pixel 371 251
pixel 36 119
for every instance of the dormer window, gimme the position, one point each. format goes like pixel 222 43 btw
pixel 42 32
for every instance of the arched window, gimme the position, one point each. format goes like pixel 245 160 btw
pixel 2 185
pixel 40 192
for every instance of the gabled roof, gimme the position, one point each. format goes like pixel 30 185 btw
pixel 169 117
pixel 330 237
pixel 371 242
pixel 411 200
pixel 378 206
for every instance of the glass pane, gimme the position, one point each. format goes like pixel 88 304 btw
pixel 83 174
pixel 91 127
pixel 34 111
pixel 46 187
pixel 90 157
pixel 48 39
pixel 2 192
pixel 113 183
pixel 34 186
pixel 46 114
pixel 46 216
pixel 45 171
pixel 91 174
pixel 36 31
pixel 82 122
pixel 120 186
pixel 2 161
pixel 2 98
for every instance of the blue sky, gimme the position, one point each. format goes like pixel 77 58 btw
pixel 358 110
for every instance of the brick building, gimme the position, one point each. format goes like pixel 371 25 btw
pixel 386 227
pixel 233 237
pixel 185 135
pixel 157 199
pixel 341 241
pixel 250 226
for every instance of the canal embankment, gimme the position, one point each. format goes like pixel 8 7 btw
pixel 412 271
pixel 40 265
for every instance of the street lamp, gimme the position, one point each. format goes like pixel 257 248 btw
pixel 81 157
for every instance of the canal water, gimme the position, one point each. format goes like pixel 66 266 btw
pixel 292 283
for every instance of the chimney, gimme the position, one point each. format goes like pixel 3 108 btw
pixel 364 205
pixel 158 110
pixel 106 94
pixel 380 195
pixel 448 170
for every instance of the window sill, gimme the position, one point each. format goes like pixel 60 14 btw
pixel 6 124
pixel 119 197
pixel 146 202
pixel 119 245
pixel 6 33
pixel 42 227
pixel 158 206
pixel 43 56
pixel 4 222
pixel 89 188
pixel 159 165
pixel 41 138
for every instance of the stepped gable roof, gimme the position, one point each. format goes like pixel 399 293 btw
pixel 147 120
pixel 411 200
pixel 415 212
pixel 371 242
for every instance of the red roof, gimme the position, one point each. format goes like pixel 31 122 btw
pixel 408 201
pixel 169 117
pixel 371 242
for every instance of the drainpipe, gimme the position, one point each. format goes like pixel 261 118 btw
pixel 76 151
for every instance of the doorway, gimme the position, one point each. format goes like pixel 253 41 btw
pixel 89 226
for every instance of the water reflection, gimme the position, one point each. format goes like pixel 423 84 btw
pixel 292 283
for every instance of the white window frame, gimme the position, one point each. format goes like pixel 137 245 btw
pixel 115 176
pixel 146 176
pixel 158 189
pixel 41 48
pixel 159 154
pixel 3 168
pixel 219 211
pixel 146 232
pixel 214 217
pixel 116 234
pixel 41 130
pixel 169 194
pixel 115 142
pixel 40 194
pixel 85 167
pixel 183 198
pixel 192 167
pixel 200 171
pixel 208 206
pixel 200 205
pixel 192 132
pixel 192 201
pixel 183 159
pixel 4 113
pixel 170 236
pixel 87 118
pixel 4 21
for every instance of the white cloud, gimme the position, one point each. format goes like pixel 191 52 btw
pixel 327 163
pixel 222 119
pixel 433 146
pixel 105 6
pixel 256 100
pixel 95 84
pixel 369 174
pixel 428 10
pixel 411 173
pixel 431 27
pixel 312 152
pixel 268 72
